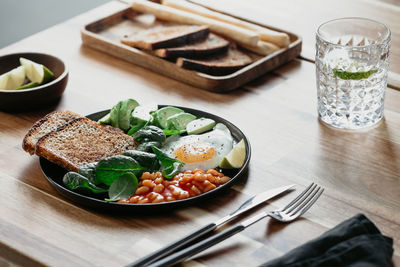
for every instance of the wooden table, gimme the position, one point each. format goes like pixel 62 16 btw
pixel 360 170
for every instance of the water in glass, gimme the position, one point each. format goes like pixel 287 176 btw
pixel 351 80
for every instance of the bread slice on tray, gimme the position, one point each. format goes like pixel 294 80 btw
pixel 213 44
pixel 167 35
pixel 82 141
pixel 46 125
pixel 222 64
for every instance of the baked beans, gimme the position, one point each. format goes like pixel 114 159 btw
pixel 153 188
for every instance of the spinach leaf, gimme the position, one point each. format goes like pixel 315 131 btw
pixel 150 133
pixel 123 187
pixel 165 160
pixel 172 170
pixel 136 128
pixel 76 181
pixel 110 168
pixel 137 125
pixel 173 131
pixel 171 166
pixel 147 160
pixel 146 147
pixel 89 171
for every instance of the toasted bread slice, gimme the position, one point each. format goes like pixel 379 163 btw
pixel 46 125
pixel 214 44
pixel 222 64
pixel 82 141
pixel 168 35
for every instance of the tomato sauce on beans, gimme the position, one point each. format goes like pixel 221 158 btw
pixel 153 188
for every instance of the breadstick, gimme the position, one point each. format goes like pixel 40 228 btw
pixel 278 38
pixel 262 48
pixel 238 34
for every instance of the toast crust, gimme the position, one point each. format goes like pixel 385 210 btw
pixel 41 128
pixel 214 44
pixel 167 36
pixel 82 141
pixel 223 64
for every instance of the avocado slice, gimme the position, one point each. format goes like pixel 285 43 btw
pixel 200 126
pixel 179 121
pixel 161 115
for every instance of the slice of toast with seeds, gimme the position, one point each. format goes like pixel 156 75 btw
pixel 166 36
pixel 214 44
pixel 82 141
pixel 221 64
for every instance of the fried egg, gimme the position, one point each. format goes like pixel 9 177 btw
pixel 203 151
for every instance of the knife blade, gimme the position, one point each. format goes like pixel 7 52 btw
pixel 253 202
pixel 247 205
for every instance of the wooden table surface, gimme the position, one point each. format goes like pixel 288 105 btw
pixel 304 16
pixel 360 170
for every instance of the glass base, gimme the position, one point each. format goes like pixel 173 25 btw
pixel 351 126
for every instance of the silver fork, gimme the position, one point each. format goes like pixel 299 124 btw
pixel 290 212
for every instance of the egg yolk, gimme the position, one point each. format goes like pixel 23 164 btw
pixel 194 152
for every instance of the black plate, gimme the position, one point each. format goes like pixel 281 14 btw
pixel 55 173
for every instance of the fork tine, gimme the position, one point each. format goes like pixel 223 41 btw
pixel 298 197
pixel 311 202
pixel 308 204
pixel 302 199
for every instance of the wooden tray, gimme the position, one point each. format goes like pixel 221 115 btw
pixel 105 34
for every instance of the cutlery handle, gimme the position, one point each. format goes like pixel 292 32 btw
pixel 198 247
pixel 165 251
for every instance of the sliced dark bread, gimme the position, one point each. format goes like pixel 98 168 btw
pixel 222 64
pixel 168 35
pixel 46 125
pixel 82 141
pixel 214 44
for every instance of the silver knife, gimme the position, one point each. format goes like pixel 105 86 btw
pixel 249 204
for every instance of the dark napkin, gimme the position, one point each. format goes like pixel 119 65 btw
pixel 356 242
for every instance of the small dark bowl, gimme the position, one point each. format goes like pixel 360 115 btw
pixel 38 97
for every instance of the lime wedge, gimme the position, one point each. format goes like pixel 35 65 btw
pixel 27 86
pixel 235 158
pixel 12 79
pixel 346 75
pixel 4 84
pixel 36 72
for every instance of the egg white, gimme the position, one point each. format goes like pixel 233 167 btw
pixel 219 138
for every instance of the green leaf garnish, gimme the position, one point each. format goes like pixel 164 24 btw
pixel 89 171
pixel 123 187
pixel 145 159
pixel 172 131
pixel 150 133
pixel 76 181
pixel 147 146
pixel 171 166
pixel 172 170
pixel 109 169
pixel 134 129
